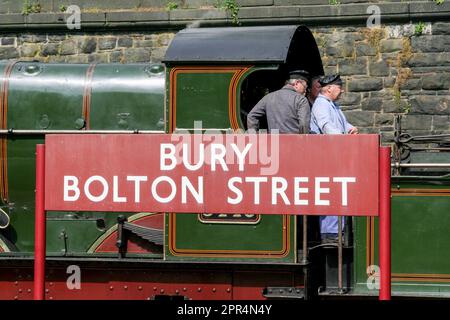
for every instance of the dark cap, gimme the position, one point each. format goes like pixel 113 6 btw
pixel 299 74
pixel 330 79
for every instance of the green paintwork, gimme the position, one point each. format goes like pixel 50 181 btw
pixel 124 97
pixel 204 97
pixel 420 237
pixel 127 97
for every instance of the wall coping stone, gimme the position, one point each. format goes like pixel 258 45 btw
pixel 317 15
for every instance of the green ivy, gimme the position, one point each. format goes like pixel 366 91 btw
pixel 171 5
pixel 439 2
pixel 33 7
pixel 334 2
pixel 230 6
pixel 419 28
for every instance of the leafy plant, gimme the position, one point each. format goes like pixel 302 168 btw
pixel 62 8
pixel 334 2
pixel 439 2
pixel 33 7
pixel 171 5
pixel 418 30
pixel 230 6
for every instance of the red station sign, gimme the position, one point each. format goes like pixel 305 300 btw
pixel 251 173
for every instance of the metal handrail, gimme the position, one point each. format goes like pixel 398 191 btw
pixel 39 132
pixel 420 165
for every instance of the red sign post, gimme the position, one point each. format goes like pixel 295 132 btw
pixel 263 174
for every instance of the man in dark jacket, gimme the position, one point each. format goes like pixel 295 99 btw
pixel 287 110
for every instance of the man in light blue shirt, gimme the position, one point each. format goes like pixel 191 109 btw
pixel 328 118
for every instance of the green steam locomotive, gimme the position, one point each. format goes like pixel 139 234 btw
pixel 212 75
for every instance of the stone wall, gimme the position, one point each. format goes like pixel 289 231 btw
pixel 117 47
pixel 399 67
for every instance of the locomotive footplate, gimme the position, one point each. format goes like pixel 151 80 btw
pixel 284 293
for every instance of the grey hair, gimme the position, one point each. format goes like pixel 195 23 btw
pixel 323 89
pixel 291 81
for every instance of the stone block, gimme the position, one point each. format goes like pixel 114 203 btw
pixel 50 49
pixel 164 39
pixel 365 84
pixel 32 38
pixel 107 43
pixel 330 69
pixel 125 42
pixel 391 45
pixel 8 41
pixel 378 68
pixel 438 81
pixel 199 14
pixel 76 59
pixel 363 49
pixel 439 43
pixel 116 56
pixel 388 82
pixel 144 43
pixel 136 55
pixel 158 54
pixel 12 19
pixel 430 59
pixel 254 3
pixel 384 119
pixel 393 106
pixel 69 47
pixel 269 12
pixel 56 37
pixel 416 122
pixel 8 53
pixel 360 118
pixel 441 28
pixel 9 6
pixel 371 104
pixel 98 58
pixel 350 99
pixel 88 45
pixel 134 16
pixel 351 66
pixel 56 59
pixel 432 105
pixel 441 123
pixel 411 84
pixel 29 50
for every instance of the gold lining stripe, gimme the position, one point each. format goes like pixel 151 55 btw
pixel 86 111
pixel 111 230
pixel 370 246
pixel 420 192
pixel 237 71
pixel 224 253
pixel 3 247
pixel 4 194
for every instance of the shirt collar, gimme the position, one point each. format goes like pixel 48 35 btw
pixel 329 100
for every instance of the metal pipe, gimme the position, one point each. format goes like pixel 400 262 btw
pixel 39 240
pixel 305 256
pixel 420 165
pixel 340 287
pixel 385 223
pixel 39 132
